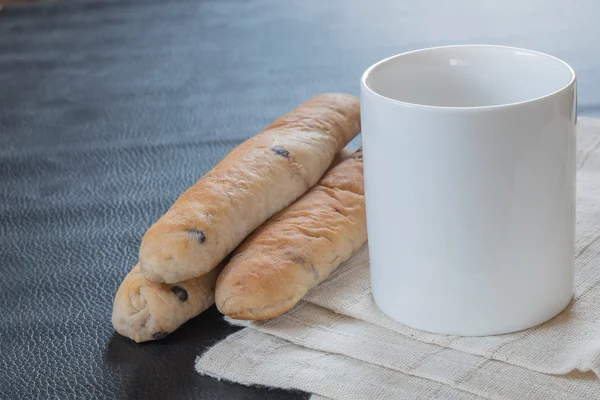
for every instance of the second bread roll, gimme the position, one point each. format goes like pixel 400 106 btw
pixel 298 248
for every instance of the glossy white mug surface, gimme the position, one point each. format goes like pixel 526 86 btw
pixel 469 162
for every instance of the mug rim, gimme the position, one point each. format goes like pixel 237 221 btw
pixel 368 71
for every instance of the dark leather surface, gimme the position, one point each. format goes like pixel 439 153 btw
pixel 110 109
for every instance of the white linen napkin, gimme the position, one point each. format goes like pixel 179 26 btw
pixel 316 350
pixel 336 355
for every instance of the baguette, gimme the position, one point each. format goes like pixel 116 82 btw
pixel 297 248
pixel 256 180
pixel 145 311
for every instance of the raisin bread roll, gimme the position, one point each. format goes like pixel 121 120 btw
pixel 144 311
pixel 298 248
pixel 256 180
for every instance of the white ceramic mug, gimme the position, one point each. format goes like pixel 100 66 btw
pixel 469 159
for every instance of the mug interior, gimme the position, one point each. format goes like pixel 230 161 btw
pixel 468 76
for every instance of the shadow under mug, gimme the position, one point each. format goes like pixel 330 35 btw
pixel 469 162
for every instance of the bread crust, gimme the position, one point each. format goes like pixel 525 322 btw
pixel 256 180
pixel 298 248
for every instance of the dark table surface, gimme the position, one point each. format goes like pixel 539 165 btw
pixel 110 109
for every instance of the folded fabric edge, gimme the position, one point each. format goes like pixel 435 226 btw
pixel 236 322
pixel 252 358
pixel 314 327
